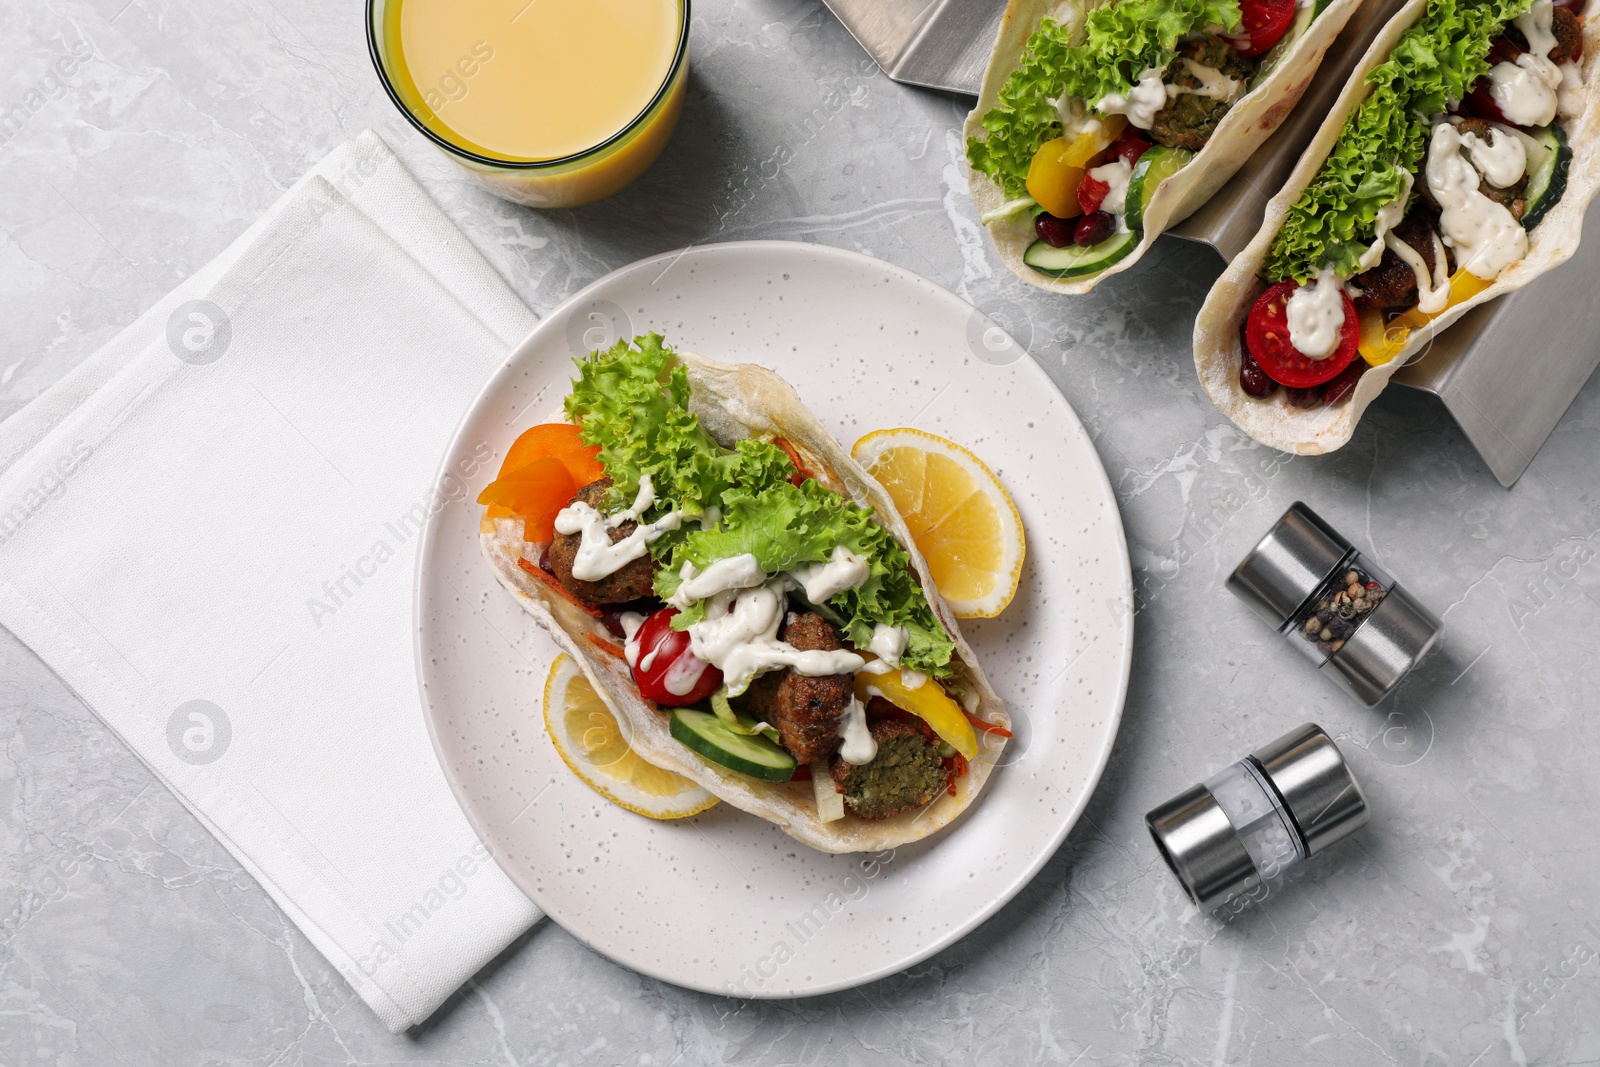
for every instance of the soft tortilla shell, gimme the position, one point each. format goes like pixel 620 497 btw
pixel 1313 431
pixel 1248 123
pixel 735 401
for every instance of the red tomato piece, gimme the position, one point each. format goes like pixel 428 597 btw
pixel 1091 193
pixel 1480 103
pixel 666 669
pixel 1262 24
pixel 1267 338
pixel 1129 147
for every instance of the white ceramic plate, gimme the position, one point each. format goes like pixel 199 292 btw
pixel 724 902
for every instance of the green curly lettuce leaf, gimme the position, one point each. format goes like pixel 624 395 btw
pixel 1121 41
pixel 1433 64
pixel 786 526
pixel 632 401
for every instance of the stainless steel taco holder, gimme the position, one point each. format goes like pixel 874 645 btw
pixel 1506 371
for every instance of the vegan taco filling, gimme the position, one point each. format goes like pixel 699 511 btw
pixel 1088 126
pixel 776 622
pixel 1429 194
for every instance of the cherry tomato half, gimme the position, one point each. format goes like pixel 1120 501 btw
pixel 1262 24
pixel 1267 338
pixel 666 670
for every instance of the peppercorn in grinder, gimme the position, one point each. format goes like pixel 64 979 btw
pixel 1333 604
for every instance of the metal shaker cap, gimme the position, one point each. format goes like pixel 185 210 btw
pixel 1288 564
pixel 1276 807
pixel 1315 783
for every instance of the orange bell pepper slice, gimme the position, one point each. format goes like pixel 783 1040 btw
pixel 556 440
pixel 536 491
pixel 542 470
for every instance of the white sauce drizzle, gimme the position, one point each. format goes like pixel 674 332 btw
pixel 740 637
pixel 735 572
pixel 1115 174
pixel 858 747
pixel 888 644
pixel 1570 97
pixel 1141 102
pixel 1487 239
pixel 1433 293
pixel 683 675
pixel 1502 159
pixel 597 556
pixel 631 621
pixel 642 502
pixel 1389 216
pixel 823 581
pixel 912 679
pixel 1316 316
pixel 1075 121
pixel 1213 83
pixel 709 518
pixel 1536 25
pixel 1525 91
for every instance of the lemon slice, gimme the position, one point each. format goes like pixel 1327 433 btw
pixel 590 742
pixel 960 516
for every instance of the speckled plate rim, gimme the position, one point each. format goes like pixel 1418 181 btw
pixel 1119 622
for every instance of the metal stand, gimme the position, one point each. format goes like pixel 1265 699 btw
pixel 1506 371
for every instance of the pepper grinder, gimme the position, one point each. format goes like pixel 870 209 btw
pixel 1335 605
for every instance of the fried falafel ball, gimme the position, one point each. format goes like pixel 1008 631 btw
pixel 633 580
pixel 1569 36
pixel 805 710
pixel 1392 283
pixel 907 772
pixel 1189 120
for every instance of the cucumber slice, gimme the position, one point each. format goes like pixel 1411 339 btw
pixel 709 736
pixel 1548 161
pixel 1074 261
pixel 1154 167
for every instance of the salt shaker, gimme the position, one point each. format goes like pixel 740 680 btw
pixel 1258 818
pixel 1335 605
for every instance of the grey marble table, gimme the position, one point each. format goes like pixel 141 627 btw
pixel 1461 927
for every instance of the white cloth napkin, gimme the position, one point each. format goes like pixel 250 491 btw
pixel 209 531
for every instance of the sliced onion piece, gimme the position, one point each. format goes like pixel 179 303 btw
pixel 830 802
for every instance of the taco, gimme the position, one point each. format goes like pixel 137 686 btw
pixel 1100 125
pixel 1456 166
pixel 745 598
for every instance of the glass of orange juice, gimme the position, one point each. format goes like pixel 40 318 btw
pixel 549 103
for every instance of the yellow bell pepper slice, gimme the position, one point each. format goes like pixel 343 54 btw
pixel 1060 164
pixel 1463 287
pixel 1094 140
pixel 928 702
pixel 1052 183
pixel 1381 342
